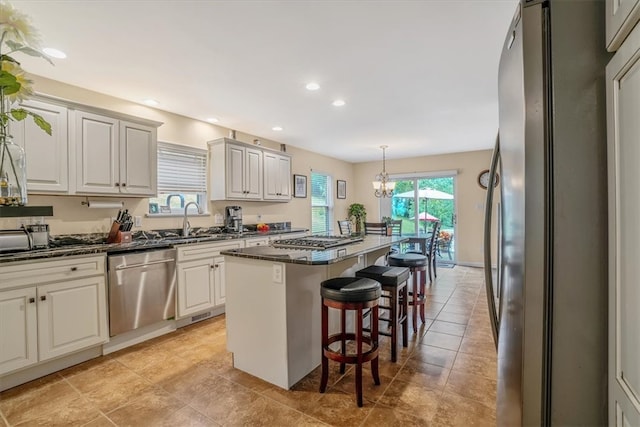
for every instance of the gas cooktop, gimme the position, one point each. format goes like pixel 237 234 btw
pixel 316 242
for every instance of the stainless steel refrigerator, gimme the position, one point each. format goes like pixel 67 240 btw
pixel 549 307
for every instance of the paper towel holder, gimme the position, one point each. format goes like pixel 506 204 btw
pixel 95 204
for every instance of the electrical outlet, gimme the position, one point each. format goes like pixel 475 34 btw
pixel 137 221
pixel 259 217
pixel 277 273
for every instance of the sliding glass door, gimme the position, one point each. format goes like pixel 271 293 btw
pixel 420 201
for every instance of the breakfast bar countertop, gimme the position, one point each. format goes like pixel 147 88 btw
pixel 369 244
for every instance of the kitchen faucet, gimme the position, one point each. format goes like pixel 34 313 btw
pixel 186 227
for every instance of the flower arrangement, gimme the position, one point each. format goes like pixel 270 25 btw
pixel 444 236
pixel 16 36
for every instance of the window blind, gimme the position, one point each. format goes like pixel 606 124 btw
pixel 181 169
pixel 320 203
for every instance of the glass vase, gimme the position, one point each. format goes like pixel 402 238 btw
pixel 13 173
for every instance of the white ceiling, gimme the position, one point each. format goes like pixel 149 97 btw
pixel 418 76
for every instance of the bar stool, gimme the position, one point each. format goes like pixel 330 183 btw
pixel 358 294
pixel 416 263
pixel 394 287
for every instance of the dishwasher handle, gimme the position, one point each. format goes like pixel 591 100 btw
pixel 144 264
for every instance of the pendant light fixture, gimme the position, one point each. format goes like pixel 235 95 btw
pixel 382 186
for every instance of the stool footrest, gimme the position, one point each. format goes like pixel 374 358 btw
pixel 351 358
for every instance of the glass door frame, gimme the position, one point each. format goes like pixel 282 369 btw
pixel 385 203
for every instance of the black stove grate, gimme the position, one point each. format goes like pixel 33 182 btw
pixel 316 242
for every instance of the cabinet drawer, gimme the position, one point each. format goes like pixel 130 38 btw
pixel 34 273
pixel 205 250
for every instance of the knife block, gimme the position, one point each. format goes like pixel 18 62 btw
pixel 117 236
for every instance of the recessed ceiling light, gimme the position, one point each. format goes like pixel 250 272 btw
pixel 54 53
pixel 150 102
pixel 212 120
pixel 338 103
pixel 277 128
pixel 312 86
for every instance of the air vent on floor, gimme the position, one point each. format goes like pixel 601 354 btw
pixel 201 316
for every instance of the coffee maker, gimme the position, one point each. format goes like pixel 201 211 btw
pixel 233 219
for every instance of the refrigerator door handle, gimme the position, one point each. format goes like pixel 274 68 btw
pixel 488 273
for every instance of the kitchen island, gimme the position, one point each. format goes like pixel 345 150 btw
pixel 273 304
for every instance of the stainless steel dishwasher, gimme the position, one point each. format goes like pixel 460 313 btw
pixel 142 289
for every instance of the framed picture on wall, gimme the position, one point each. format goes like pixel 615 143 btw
pixel 342 189
pixel 299 186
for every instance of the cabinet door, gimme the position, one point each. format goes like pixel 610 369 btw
pixel 235 172
pixel 195 286
pixel 138 159
pixel 47 155
pixel 97 154
pixel 71 316
pixel 284 177
pixel 277 170
pixel 623 128
pixel 18 329
pixel 622 16
pixel 253 174
pixel 219 280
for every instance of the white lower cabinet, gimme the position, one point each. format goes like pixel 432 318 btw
pixel 201 277
pixel 51 308
pixel 18 329
pixel 71 316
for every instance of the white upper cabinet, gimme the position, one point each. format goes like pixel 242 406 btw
pixel 239 171
pixel 47 155
pixel 622 16
pixel 235 171
pixel 114 156
pixel 277 173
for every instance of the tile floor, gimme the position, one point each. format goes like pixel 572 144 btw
pixel 446 377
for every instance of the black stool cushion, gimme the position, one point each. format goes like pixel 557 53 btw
pixel 387 276
pixel 350 289
pixel 407 260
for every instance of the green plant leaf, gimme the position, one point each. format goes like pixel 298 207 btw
pixel 42 123
pixel 18 114
pixel 9 83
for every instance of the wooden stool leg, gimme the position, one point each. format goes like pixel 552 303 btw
pixel 358 333
pixel 423 299
pixel 374 343
pixel 325 343
pixel 405 312
pixel 394 324
pixel 343 322
pixel 414 314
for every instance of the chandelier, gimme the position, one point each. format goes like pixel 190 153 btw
pixel 382 186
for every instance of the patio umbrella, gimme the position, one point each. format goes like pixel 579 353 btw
pixel 426 193
pixel 427 217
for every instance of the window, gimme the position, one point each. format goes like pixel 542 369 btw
pixel 321 207
pixel 182 178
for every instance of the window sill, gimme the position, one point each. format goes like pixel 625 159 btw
pixel 175 215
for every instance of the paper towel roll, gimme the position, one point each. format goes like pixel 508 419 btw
pixel 104 205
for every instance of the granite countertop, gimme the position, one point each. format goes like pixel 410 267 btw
pixel 88 244
pixel 315 257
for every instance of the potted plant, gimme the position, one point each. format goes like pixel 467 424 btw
pixel 387 221
pixel 16 36
pixel 358 214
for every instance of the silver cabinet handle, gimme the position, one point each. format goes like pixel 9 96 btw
pixel 144 264
pixel 488 276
